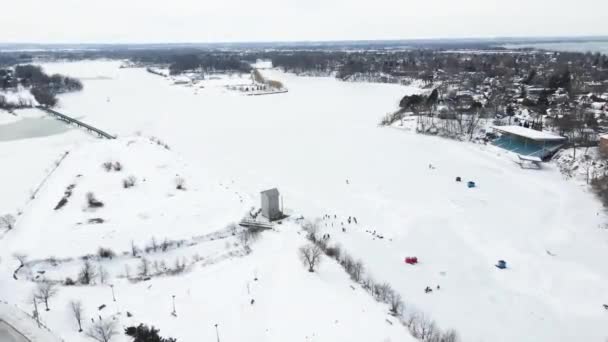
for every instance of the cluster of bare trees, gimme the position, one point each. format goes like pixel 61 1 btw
pixel 418 324
pixel 160 143
pixel 461 118
pixel 100 330
pixel 147 269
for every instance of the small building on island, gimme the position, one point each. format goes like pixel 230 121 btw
pixel 528 142
pixel 271 204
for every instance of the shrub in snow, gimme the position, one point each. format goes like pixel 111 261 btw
pixel 180 183
pixel 311 231
pixel 110 165
pixel 129 182
pixel 87 273
pixel 160 143
pixel 165 245
pixel 310 256
pixel 7 221
pixel 92 202
pixel 102 330
pixel 334 252
pixel 105 253
pixel 107 166
pixel 142 333
pixel 62 202
pixel 69 282
pixel 248 235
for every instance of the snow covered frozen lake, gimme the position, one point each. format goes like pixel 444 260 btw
pixel 320 144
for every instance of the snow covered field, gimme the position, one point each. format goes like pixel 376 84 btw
pixel 321 146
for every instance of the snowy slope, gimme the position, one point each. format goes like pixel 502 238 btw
pixel 308 143
pixel 290 303
pixel 151 208
pixel 25 325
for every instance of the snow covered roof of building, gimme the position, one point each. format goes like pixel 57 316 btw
pixel 271 192
pixel 528 133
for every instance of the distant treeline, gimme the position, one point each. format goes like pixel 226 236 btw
pixel 207 62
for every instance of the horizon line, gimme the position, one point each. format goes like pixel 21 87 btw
pixel 379 40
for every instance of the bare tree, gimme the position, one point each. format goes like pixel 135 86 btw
pixel 144 267
pixel 77 312
pixel 102 331
pixel 7 221
pixel 396 304
pixel 311 256
pixel 87 273
pixel 44 291
pixel 384 292
pixel 357 270
pixel 103 274
pixel 134 249
pixel 311 229
pixel 248 235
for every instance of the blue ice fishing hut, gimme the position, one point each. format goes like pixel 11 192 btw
pixel 471 184
pixel 501 264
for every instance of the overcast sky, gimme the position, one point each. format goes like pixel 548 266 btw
pixel 151 21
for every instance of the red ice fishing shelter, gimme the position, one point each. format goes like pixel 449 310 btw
pixel 411 260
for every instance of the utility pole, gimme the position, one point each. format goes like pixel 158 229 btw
pixel 36 312
pixel 217 334
pixel 174 313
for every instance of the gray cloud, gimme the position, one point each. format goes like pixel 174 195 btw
pixel 121 21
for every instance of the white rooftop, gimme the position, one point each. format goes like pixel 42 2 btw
pixel 529 133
